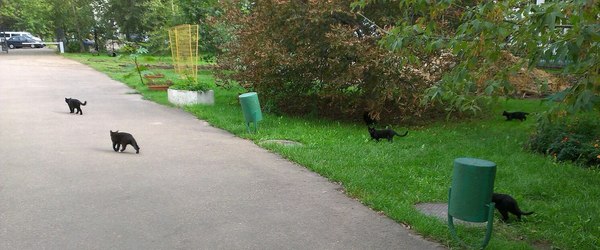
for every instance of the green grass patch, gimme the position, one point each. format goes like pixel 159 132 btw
pixel 393 177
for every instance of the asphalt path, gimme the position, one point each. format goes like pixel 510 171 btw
pixel 192 186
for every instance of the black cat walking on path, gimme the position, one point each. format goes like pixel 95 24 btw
pixel 75 104
pixel 122 139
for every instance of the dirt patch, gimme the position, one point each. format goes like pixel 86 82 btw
pixel 283 142
pixel 532 83
pixel 158 66
pixel 543 245
pixel 440 211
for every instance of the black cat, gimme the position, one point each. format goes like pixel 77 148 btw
pixel 122 139
pixel 75 104
pixel 515 115
pixel 388 134
pixel 368 120
pixel 505 203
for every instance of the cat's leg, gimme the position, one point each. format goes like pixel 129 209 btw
pixel 516 211
pixel 124 146
pixel 504 215
pixel 72 109
pixel 80 112
pixel 116 146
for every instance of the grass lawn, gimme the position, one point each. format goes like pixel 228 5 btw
pixel 393 177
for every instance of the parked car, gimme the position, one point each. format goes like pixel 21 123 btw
pixel 8 34
pixel 17 42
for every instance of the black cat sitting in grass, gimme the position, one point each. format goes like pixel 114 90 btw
pixel 515 115
pixel 377 134
pixel 122 139
pixel 75 104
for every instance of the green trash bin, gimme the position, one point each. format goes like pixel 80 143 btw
pixel 470 196
pixel 251 109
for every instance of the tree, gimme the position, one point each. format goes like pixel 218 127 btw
pixel 31 16
pixel 202 12
pixel 73 21
pixel 128 16
pixel 480 33
pixel 319 58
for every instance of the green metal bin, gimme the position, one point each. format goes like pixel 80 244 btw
pixel 251 109
pixel 470 196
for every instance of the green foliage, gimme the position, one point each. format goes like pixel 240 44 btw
pixel 191 83
pixel 139 69
pixel 158 42
pixel 203 12
pixel 133 49
pixel 129 17
pixel 574 139
pixel 72 47
pixel 23 15
pixel 477 33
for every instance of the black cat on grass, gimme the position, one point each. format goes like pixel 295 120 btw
pixel 75 104
pixel 377 134
pixel 122 139
pixel 515 115
pixel 505 203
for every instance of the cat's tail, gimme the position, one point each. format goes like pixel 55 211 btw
pixel 405 133
pixel 526 213
pixel 84 103
pixel 135 145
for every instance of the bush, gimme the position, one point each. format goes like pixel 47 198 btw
pixel 73 46
pixel 129 48
pixel 319 58
pixel 191 84
pixel 574 139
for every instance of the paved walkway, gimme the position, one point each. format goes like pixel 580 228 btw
pixel 191 187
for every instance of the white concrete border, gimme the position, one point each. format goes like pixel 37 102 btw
pixel 186 97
